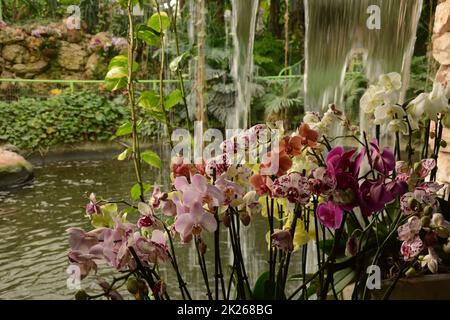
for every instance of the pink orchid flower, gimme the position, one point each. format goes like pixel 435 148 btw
pixel 151 251
pixel 193 222
pixel 198 191
pixel 232 192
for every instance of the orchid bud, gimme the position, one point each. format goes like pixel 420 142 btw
pixel 412 203
pixel 411 272
pixel 425 220
pixel 132 285
pixel 428 210
pixel 351 248
pixel 446 247
pixel 143 289
pixel 202 246
pixel 245 218
pixel 81 295
pixel 442 232
pixel 226 220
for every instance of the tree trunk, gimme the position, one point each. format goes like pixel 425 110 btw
pixel 274 18
pixel 200 85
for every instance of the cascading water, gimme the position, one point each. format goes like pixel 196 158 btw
pixel 244 15
pixel 336 29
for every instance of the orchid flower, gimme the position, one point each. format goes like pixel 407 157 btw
pixel 92 207
pixel 330 215
pixel 431 260
pixel 232 192
pixel 262 184
pixel 282 239
pixel 198 191
pixel 147 219
pixel 193 222
pixel 292 186
pixel 383 162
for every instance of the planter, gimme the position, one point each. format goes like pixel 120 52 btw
pixel 428 287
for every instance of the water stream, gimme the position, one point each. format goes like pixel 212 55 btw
pixel 243 23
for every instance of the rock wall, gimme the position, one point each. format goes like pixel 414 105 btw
pixel 441 41
pixel 55 52
pixel 441 53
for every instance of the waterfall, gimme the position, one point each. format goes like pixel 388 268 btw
pixel 244 15
pixel 336 29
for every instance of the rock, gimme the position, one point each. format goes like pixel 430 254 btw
pixel 9 35
pixel 14 169
pixel 443 76
pixel 441 48
pixel 72 56
pixel 442 18
pixel 92 64
pixel 74 36
pixel 30 69
pixel 15 53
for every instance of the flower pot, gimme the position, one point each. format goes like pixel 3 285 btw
pixel 428 287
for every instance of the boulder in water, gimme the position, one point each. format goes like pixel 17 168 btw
pixel 14 169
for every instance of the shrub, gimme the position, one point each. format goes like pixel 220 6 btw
pixel 68 118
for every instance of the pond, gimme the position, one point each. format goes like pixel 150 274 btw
pixel 34 219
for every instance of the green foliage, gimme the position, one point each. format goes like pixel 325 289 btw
pixel 65 119
pixel 269 54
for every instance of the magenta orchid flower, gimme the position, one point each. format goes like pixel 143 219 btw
pixel 384 161
pixel 330 215
pixel 198 191
pixel 193 222
pixel 293 186
pixel 344 167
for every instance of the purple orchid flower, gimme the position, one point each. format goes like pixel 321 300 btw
pixel 374 195
pixel 383 162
